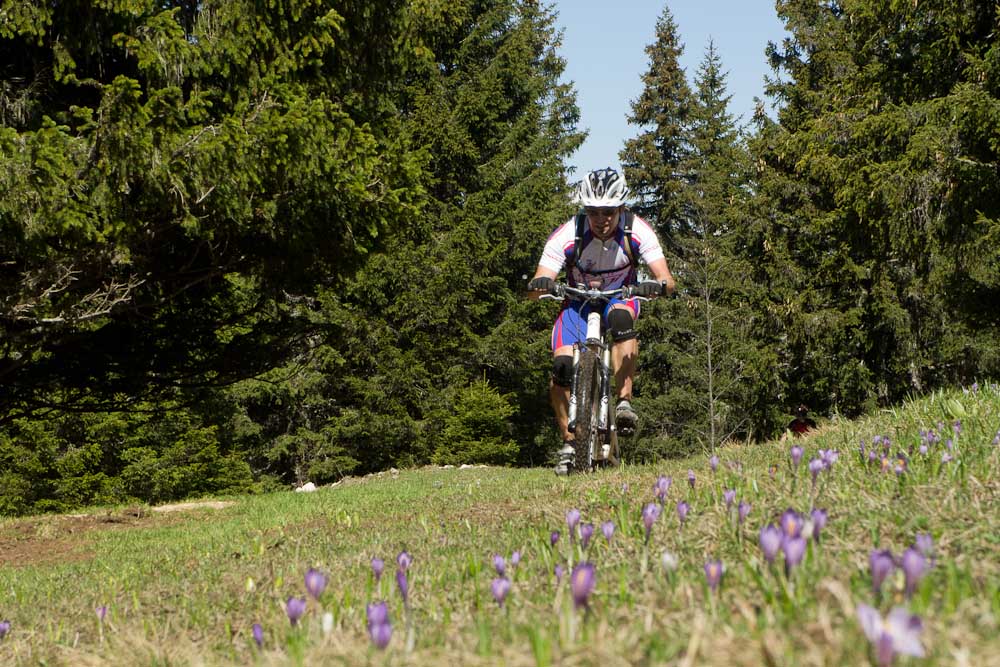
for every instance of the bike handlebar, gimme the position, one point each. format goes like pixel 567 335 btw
pixel 562 290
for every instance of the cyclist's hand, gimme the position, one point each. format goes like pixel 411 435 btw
pixel 649 288
pixel 543 284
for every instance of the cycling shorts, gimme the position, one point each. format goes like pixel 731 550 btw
pixel 571 324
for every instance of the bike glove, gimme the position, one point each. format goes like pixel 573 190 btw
pixel 543 284
pixel 648 288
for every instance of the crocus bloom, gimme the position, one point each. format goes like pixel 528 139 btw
pixel 295 607
pixel 315 583
pixel 815 466
pixel 608 528
pixel 586 532
pixel 554 537
pixel 898 633
pixel 499 565
pixel 914 567
pixel 515 558
pixel 795 549
pixel 661 487
pixel 558 570
pixel 796 453
pixel 729 495
pixel 882 565
pixel 500 588
pixel 572 519
pixel 682 510
pixel 650 513
pixel 713 463
pixel 4 629
pixel 770 542
pixel 925 544
pixel 691 478
pixel 819 522
pixel 713 573
pixel 258 634
pixel 378 566
pixel 380 634
pixel 378 613
pixel 791 523
pixel 743 509
pixel 404 585
pixel 404 560
pixel 101 612
pixel 582 583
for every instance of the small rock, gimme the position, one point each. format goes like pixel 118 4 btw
pixel 306 488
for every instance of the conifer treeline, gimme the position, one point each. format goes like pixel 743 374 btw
pixel 242 248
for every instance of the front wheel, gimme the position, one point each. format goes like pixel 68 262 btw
pixel 588 403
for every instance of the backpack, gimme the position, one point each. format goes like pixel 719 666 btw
pixel 581 227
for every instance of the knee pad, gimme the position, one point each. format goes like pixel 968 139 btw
pixel 620 323
pixel 562 370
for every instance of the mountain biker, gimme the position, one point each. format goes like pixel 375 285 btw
pixel 602 263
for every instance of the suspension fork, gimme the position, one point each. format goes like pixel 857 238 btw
pixel 573 389
pixel 605 408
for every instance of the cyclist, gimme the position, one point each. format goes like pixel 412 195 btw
pixel 603 262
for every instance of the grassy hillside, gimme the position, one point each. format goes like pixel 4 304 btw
pixel 186 587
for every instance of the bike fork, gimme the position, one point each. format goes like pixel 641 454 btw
pixel 606 425
pixel 573 389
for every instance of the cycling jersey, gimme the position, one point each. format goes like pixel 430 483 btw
pixel 602 264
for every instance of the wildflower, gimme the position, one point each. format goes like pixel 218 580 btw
pixel 500 588
pixel 898 633
pixel 499 565
pixel 796 454
pixel 404 585
pixel 791 523
pixel 691 478
pixel 572 519
pixel 558 570
pixel 295 608
pixel 101 612
pixel 682 510
pixel 258 634
pixel 882 565
pixel 770 542
pixel 582 583
pixel 377 613
pixel 586 532
pixel 743 510
pixel 608 528
pixel 795 549
pixel 379 629
pixel 669 561
pixel 713 463
pixel 315 583
pixel 819 522
pixel 404 560
pixel 925 544
pixel 914 567
pixel 772 471
pixel 4 629
pixel 378 566
pixel 650 513
pixel 713 573
pixel 872 456
pixel 661 487
pixel 515 558
pixel 728 496
pixel 923 449
pixel 554 537
pixel 947 458
pixel 957 427
pixel 815 466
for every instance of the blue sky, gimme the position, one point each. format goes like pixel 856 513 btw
pixel 604 46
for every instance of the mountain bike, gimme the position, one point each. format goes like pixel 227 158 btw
pixel 590 418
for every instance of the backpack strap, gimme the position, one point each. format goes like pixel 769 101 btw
pixel 627 228
pixel 581 227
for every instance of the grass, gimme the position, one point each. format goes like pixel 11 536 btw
pixel 186 588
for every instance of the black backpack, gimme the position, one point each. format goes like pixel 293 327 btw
pixel 581 227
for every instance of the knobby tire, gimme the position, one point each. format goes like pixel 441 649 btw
pixel 588 397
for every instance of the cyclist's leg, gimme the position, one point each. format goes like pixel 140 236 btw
pixel 621 317
pixel 569 328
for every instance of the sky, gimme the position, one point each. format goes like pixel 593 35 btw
pixel 604 45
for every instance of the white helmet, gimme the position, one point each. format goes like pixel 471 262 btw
pixel 603 187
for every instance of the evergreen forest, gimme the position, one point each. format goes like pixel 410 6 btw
pixel 245 245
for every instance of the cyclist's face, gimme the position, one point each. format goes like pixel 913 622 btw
pixel 603 221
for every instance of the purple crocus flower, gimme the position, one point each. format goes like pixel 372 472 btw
pixel 791 523
pixel 295 608
pixel 650 513
pixel 499 565
pixel 691 478
pixel 728 496
pixel 743 510
pixel 500 588
pixel 101 612
pixel 377 613
pixel 581 583
pixel 378 566
pixel 258 634
pixel 914 567
pixel 404 585
pixel 815 466
pixel 898 633
pixel 882 565
pixel 586 532
pixel 558 570
pixel 923 449
pixel 572 519
pixel 554 537
pixel 713 573
pixel 713 463
pixel 4 629
pixel 661 487
pixel 682 510
pixel 515 558
pixel 819 517
pixel 315 583
pixel 795 549
pixel 796 454
pixel 379 629
pixel 608 528
pixel 925 544
pixel 404 560
pixel 770 541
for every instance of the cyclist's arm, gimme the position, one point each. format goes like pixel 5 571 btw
pixel 541 272
pixel 661 273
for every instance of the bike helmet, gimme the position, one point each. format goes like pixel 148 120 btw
pixel 603 187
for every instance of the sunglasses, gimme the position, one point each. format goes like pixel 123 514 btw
pixel 606 212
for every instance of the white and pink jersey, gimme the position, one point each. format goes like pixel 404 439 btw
pixel 602 264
